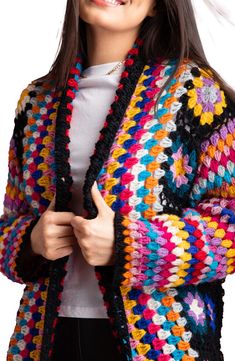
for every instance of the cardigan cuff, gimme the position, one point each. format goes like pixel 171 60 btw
pixel 30 266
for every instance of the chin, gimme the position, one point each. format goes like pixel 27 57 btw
pixel 111 18
pixel 104 21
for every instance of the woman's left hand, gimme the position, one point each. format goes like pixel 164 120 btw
pixel 96 236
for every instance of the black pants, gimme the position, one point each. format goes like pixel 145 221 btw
pixel 84 339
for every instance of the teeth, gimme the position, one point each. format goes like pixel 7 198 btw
pixel 113 2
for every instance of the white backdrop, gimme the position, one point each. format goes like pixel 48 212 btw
pixel 29 37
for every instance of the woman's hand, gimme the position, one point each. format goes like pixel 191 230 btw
pixel 96 236
pixel 52 236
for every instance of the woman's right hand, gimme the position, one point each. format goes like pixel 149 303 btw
pixel 53 236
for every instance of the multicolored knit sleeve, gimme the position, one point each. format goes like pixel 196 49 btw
pixel 17 261
pixel 197 245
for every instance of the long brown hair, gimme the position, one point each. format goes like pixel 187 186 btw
pixel 171 34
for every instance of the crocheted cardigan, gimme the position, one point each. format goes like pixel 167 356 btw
pixel 167 171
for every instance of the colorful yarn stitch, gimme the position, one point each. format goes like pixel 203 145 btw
pixel 174 211
pixel 197 247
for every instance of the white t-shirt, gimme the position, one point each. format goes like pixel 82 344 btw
pixel 81 296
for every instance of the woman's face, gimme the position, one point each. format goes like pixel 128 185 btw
pixel 116 15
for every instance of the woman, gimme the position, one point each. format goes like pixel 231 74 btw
pixel 148 203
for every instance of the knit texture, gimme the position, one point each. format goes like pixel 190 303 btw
pixel 168 174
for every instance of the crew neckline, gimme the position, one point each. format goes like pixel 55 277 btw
pixel 102 69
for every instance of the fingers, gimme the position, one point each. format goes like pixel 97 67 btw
pixel 62 252
pixel 59 218
pixel 64 231
pixel 67 238
pixel 98 200
pixel 60 248
pixel 67 241
pixel 51 206
pixel 103 208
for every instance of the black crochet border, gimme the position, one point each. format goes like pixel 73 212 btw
pixel 119 256
pixel 63 196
